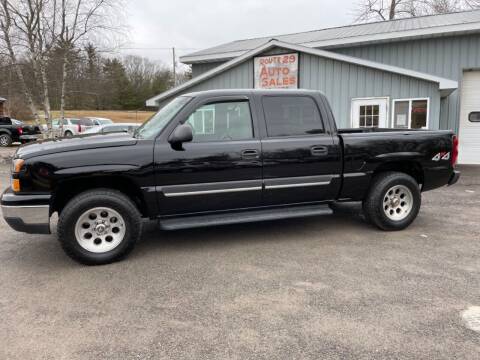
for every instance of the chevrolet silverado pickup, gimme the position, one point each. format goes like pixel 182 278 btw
pixel 221 157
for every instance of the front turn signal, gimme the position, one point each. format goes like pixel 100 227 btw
pixel 16 185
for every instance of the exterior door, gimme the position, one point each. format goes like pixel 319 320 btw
pixel 367 113
pixel 220 169
pixel 469 133
pixel 301 159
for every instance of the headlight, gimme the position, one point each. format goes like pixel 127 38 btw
pixel 17 165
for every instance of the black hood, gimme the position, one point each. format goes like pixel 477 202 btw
pixel 44 147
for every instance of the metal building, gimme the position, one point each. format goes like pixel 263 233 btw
pixel 420 72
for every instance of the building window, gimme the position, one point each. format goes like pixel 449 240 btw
pixel 410 114
pixel 369 115
pixel 369 112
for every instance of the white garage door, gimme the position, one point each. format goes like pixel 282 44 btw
pixel 469 134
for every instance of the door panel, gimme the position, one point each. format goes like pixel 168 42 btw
pixel 370 113
pixel 469 132
pixel 301 159
pixel 208 177
pixel 295 173
pixel 220 169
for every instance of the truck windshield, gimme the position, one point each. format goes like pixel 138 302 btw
pixel 157 122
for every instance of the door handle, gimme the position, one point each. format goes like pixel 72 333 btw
pixel 319 150
pixel 250 154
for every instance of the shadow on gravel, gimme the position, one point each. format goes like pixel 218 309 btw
pixel 345 216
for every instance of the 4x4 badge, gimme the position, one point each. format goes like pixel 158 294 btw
pixel 441 156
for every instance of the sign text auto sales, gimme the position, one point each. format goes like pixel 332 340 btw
pixel 276 71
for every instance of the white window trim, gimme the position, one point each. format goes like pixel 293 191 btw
pixel 203 111
pixel 387 111
pixel 410 100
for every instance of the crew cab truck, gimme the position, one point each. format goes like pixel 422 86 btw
pixel 221 157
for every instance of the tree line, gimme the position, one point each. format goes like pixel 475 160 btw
pixel 50 59
pixel 94 81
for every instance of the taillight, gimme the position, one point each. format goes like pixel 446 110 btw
pixel 20 131
pixel 454 150
pixel 79 128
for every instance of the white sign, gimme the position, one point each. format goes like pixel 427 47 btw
pixel 276 71
pixel 401 120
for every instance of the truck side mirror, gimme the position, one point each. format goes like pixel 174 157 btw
pixel 183 133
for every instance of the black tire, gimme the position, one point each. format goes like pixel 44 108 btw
pixel 373 205
pixel 68 134
pixel 5 140
pixel 93 199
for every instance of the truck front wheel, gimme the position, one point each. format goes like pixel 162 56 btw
pixel 393 201
pixel 99 227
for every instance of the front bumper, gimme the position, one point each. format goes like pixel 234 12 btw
pixel 26 213
pixel 454 178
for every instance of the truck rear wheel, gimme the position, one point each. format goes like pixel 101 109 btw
pixel 393 201
pixel 5 140
pixel 99 227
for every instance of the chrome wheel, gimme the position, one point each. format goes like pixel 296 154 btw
pixel 4 140
pixel 398 202
pixel 100 230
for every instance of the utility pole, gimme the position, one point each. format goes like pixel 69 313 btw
pixel 174 68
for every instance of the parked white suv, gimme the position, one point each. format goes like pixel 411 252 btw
pixel 71 126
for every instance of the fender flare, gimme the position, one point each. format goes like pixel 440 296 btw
pixel 6 131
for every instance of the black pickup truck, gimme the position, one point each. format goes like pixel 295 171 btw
pixel 221 157
pixel 15 131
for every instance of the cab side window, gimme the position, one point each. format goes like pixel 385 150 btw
pixel 291 116
pixel 222 121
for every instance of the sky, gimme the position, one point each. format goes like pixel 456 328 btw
pixel 157 25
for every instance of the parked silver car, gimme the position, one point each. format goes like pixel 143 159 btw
pixel 97 121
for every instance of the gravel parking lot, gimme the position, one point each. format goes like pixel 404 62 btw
pixel 317 288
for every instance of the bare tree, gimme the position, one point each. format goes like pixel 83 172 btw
pixel 29 23
pixel 371 10
pixel 80 20
pixel 38 30
pixel 7 37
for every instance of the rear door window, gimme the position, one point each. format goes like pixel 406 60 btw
pixel 291 116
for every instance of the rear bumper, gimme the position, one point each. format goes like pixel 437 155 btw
pixel 454 178
pixel 26 213
pixel 29 137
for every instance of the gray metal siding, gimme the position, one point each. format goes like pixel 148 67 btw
pixel 239 77
pixel 447 57
pixel 199 69
pixel 340 82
